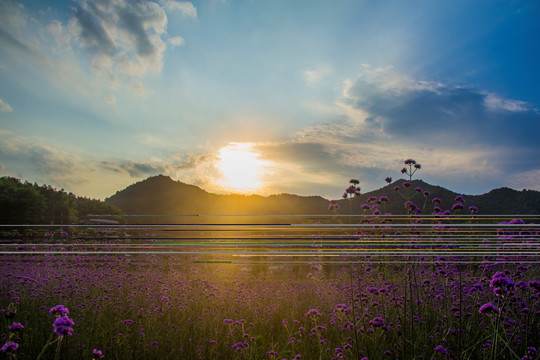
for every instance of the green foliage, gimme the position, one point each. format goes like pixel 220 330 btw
pixel 26 203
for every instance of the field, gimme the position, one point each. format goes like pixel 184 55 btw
pixel 375 290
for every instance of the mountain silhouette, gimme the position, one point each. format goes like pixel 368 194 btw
pixel 160 195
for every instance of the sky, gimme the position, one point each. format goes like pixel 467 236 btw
pixel 270 96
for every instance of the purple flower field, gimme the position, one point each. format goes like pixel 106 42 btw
pixel 161 306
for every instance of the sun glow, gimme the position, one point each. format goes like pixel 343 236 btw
pixel 241 167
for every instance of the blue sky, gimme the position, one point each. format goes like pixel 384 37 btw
pixel 96 95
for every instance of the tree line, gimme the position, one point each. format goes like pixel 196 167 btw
pixel 27 203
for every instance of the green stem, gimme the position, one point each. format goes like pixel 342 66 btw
pixel 496 337
pixel 49 342
pixel 59 343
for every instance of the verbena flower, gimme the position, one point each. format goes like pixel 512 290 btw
pixel 440 349
pixel 98 354
pixel 59 310
pixel 535 284
pixel 63 326
pixel 388 180
pixel 9 348
pixel 457 206
pixel 16 327
pixel 488 308
pixel 377 322
pixel 313 312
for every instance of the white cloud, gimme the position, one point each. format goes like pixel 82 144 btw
pixel 176 41
pixel 493 103
pixel 186 8
pixel 314 76
pixel 4 106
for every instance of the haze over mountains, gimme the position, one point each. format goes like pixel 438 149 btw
pixel 162 195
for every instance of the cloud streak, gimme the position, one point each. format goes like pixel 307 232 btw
pixel 5 107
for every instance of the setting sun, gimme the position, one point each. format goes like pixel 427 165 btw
pixel 241 167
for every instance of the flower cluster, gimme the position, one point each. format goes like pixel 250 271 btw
pixel 63 326
pixel 352 190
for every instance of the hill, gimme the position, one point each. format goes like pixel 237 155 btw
pixel 160 195
pixel 164 196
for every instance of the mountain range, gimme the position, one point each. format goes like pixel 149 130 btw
pixel 160 195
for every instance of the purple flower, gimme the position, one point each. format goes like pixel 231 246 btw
pixel 417 166
pixel 59 310
pixel 532 352
pixel 426 193
pixel 354 181
pixel 9 347
pixel 418 189
pixel 457 206
pixel 384 198
pixel 63 326
pixel 535 284
pixel 403 171
pixel 271 353
pixel 350 190
pixel 473 209
pixel 396 188
pixel 487 308
pixel 409 162
pixel 460 199
pixel 388 180
pixel 155 345
pixel 376 322
pixel 15 327
pixel 440 349
pixel 406 184
pixel 98 354
pixel 313 312
pixel 239 346
pixel 365 206
pixel 500 280
pixel 436 201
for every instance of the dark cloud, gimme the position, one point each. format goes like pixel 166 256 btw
pixel 185 162
pixel 446 115
pixel 133 168
pixel 193 161
pixel 128 33
pixel 93 35
pixel 311 156
pixel 7 39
